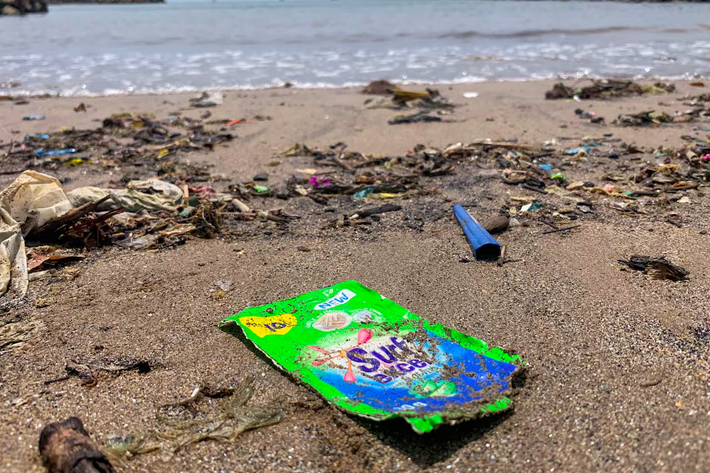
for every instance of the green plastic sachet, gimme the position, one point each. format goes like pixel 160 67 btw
pixel 374 358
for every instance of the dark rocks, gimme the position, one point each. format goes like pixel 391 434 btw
pixel 22 7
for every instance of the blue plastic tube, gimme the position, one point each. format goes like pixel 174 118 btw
pixel 484 246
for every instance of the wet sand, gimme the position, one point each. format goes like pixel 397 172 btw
pixel 618 362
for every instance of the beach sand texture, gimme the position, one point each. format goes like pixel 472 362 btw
pixel 618 363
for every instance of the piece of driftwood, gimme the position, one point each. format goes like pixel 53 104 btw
pixel 377 210
pixel 67 448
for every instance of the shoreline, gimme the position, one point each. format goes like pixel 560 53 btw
pixel 6 93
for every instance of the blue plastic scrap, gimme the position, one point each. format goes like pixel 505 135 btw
pixel 484 246
pixel 55 152
pixel 546 167
pixel 586 149
pixel 39 137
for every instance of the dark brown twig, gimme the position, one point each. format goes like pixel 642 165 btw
pixel 560 229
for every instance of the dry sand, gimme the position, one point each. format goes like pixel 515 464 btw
pixel 618 363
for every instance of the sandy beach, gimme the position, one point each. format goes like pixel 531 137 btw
pixel 618 362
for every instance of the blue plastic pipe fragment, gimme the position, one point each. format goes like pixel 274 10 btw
pixel 484 246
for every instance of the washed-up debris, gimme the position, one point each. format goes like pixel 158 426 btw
pixel 402 99
pixel 208 99
pixel 28 203
pixel 373 358
pixel 484 246
pixel 379 87
pixel 643 118
pixel 15 333
pixel 262 176
pixel 376 210
pixel 496 224
pixel 419 117
pixel 121 448
pixel 80 108
pixel 33 117
pixel 607 89
pixel 694 99
pixel 223 287
pixel 151 194
pixel 590 115
pixel 131 143
pixel 564 229
pixel 236 417
pixel 89 372
pixel 66 447
pixel 316 181
pixel 657 268
pixel 42 258
pixel 36 208
pixel 362 176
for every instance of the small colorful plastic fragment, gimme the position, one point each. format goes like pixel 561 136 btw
pixel 316 181
pixel 38 137
pixel 33 117
pixel 55 152
pixel 363 193
pixel 546 167
pixel 584 149
pixel 532 207
pixel 374 358
pixel 261 189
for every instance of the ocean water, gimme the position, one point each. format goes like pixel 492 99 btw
pixel 194 45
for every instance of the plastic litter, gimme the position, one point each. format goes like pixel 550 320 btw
pixel 55 152
pixel 374 358
pixel 208 99
pixel 33 117
pixel 419 117
pixel 581 149
pixel 29 202
pixel 484 246
pixel 363 193
pixel 38 137
pixel 316 181
pixel 607 89
pixel 151 194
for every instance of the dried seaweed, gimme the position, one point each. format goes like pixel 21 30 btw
pixel 657 268
pixel 15 334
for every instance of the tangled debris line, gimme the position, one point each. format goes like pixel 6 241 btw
pixel 652 118
pixel 395 98
pixel 125 142
pixel 607 89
